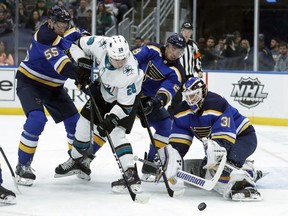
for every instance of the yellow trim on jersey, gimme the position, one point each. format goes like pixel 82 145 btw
pixel 26 149
pixel 61 66
pixel 178 73
pixel 159 144
pixel 26 73
pixel 226 137
pixel 98 140
pixel 244 127
pixel 56 41
pixel 183 113
pixel 212 112
pixel 179 140
pixel 155 48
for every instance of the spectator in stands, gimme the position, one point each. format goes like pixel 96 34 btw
pixel 103 20
pixel 23 15
pixel 246 46
pixel 209 56
pixel 122 8
pixel 146 41
pixel 137 43
pixel 81 13
pixel 232 54
pixel 265 59
pixel 42 8
pixel 282 60
pixel 6 58
pixel 33 22
pixel 111 8
pixel 201 45
pixel 274 48
pixel 6 26
pixel 81 10
pixel 73 13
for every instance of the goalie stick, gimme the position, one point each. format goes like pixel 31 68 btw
pixel 139 198
pixel 10 168
pixel 194 179
pixel 171 192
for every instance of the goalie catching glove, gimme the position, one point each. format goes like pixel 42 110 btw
pixel 171 161
pixel 214 153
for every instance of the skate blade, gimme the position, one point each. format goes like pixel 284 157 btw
pixel 23 181
pixel 70 173
pixel 83 176
pixel 241 197
pixel 11 200
pixel 123 189
pixel 150 178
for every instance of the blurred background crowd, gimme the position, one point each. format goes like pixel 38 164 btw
pixel 227 50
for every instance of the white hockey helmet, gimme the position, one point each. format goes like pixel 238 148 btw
pixel 118 47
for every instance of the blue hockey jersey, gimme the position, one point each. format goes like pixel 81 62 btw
pixel 217 120
pixel 160 75
pixel 46 63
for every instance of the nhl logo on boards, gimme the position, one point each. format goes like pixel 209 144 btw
pixel 248 92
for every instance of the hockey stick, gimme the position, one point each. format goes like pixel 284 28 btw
pixel 170 191
pixel 10 168
pixel 194 179
pixel 135 197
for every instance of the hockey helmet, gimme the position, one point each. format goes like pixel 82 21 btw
pixel 194 93
pixel 118 50
pixel 59 14
pixel 177 40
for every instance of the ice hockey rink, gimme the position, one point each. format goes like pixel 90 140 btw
pixel 72 196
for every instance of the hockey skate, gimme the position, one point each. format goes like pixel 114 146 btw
pixel 7 196
pixel 24 175
pixel 79 167
pixel 149 173
pixel 243 191
pixel 133 181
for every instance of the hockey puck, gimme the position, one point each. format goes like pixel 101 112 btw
pixel 202 206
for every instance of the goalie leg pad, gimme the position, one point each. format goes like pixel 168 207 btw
pixel 171 161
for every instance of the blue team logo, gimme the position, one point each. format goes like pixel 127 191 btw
pixel 248 92
pixel 128 70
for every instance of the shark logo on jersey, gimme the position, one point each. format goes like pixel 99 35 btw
pixel 248 92
pixel 102 43
pixel 128 70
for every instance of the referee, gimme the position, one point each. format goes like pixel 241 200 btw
pixel 191 62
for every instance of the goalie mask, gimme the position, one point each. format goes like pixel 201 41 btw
pixel 194 93
pixel 118 50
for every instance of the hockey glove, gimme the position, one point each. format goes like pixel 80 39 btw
pixel 152 104
pixel 214 153
pixel 83 71
pixel 108 124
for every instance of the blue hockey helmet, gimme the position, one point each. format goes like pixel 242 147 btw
pixel 194 93
pixel 177 39
pixel 59 14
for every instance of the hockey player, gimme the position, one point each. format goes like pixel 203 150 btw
pixel 117 94
pixel 164 76
pixel 40 79
pixel 6 196
pixel 191 62
pixel 223 130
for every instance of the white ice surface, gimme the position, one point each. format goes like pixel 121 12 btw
pixel 71 196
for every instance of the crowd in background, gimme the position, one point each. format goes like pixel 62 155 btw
pixel 230 52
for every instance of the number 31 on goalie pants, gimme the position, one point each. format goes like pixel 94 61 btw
pixel 202 182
